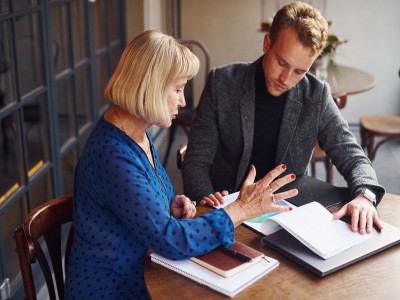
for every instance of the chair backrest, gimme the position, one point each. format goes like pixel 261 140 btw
pixel 41 233
pixel 201 50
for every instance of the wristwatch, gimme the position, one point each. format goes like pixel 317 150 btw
pixel 369 195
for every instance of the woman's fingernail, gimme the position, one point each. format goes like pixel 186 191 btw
pixel 293 176
pixel 284 166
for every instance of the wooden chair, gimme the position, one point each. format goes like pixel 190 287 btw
pixel 185 117
pixel 319 155
pixel 386 127
pixel 40 234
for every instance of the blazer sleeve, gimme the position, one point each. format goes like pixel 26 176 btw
pixel 341 146
pixel 202 146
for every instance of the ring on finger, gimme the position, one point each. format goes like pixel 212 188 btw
pixel 270 189
pixel 273 197
pixel 194 203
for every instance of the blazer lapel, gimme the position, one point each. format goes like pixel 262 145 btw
pixel 289 122
pixel 247 110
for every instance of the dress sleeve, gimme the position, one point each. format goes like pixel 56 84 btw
pixel 141 198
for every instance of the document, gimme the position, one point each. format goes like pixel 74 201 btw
pixel 314 226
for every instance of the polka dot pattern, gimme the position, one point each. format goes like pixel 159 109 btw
pixel 121 209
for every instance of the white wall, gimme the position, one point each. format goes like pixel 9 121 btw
pixel 230 29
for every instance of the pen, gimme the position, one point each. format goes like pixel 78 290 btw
pixel 237 254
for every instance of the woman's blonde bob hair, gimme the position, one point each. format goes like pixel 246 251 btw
pixel 148 67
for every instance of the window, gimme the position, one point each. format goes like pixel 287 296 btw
pixel 55 59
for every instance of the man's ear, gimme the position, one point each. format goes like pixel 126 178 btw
pixel 267 42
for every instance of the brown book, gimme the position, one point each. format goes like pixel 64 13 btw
pixel 225 262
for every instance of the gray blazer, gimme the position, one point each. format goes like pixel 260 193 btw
pixel 221 140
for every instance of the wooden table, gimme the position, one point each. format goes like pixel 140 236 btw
pixel 346 81
pixel 377 277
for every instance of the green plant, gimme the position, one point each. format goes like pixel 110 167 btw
pixel 331 44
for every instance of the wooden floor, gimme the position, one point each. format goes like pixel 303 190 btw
pixel 386 163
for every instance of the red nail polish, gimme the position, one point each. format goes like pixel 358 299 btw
pixel 293 176
pixel 284 167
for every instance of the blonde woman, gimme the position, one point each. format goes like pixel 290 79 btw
pixel 123 199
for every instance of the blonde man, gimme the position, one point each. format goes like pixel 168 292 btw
pixel 273 111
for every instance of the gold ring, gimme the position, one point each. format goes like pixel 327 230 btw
pixel 270 189
pixel 273 197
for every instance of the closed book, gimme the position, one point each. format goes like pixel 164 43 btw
pixel 226 263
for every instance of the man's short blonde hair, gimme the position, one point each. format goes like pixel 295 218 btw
pixel 148 67
pixel 311 27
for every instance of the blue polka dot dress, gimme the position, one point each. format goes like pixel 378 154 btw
pixel 122 209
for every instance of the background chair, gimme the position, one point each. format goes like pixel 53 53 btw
pixel 319 155
pixel 185 117
pixel 41 233
pixel 386 127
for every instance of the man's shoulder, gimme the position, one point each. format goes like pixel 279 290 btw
pixel 312 85
pixel 235 68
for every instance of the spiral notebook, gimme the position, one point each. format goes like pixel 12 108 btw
pixel 229 286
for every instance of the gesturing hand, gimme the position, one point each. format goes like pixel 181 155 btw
pixel 182 207
pixel 258 198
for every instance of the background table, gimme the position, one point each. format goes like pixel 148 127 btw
pixel 376 277
pixel 345 81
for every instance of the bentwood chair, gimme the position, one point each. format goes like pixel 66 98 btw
pixel 383 127
pixel 185 117
pixel 39 238
pixel 319 155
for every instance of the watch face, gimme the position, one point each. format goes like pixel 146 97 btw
pixel 370 195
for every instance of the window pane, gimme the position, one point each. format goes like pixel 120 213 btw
pixel 114 25
pixel 42 190
pixel 102 80
pixel 79 31
pixel 22 4
pixel 8 223
pixel 36 133
pixel 69 162
pixel 11 156
pixel 99 25
pixel 8 90
pixel 61 40
pixel 29 53
pixel 4 7
pixel 65 112
pixel 83 96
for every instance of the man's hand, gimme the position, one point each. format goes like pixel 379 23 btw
pixel 214 199
pixel 363 215
pixel 182 207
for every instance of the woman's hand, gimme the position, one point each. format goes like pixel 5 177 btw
pixel 182 207
pixel 256 199
pixel 215 199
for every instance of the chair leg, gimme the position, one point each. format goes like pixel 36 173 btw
pixel 329 170
pixel 367 143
